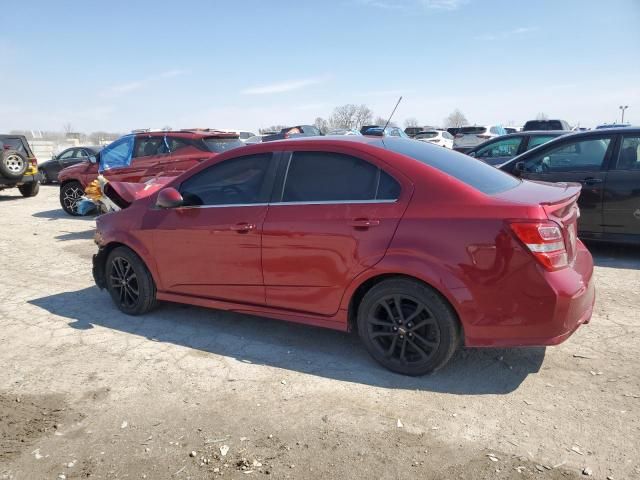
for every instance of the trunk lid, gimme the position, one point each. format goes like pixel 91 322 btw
pixel 124 194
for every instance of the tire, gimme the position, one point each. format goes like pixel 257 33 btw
pixel 13 164
pixel 29 189
pixel 70 193
pixel 137 295
pixel 44 177
pixel 420 339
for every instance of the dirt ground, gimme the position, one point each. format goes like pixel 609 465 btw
pixel 184 392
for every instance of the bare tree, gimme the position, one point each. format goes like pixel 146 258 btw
pixel 350 116
pixel 456 119
pixel 321 124
pixel 411 122
pixel 542 116
pixel 382 122
pixel 67 128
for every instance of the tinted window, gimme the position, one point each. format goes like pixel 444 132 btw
pixel 629 156
pixel 585 155
pixel 219 145
pixel 67 154
pixel 13 144
pixel 534 141
pixel 326 177
pixel 468 170
pixel 146 147
pixel 543 125
pixel 502 148
pixel 472 130
pixel 236 181
pixel 176 144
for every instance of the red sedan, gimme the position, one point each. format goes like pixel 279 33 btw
pixel 419 248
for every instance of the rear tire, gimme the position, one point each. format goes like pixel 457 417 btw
pixel 29 189
pixel 70 193
pixel 129 282
pixel 419 337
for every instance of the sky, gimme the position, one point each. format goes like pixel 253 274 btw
pixel 118 65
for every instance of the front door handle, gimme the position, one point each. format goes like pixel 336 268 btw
pixel 365 222
pixel 243 227
pixel 592 181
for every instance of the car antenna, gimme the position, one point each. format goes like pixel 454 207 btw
pixel 390 116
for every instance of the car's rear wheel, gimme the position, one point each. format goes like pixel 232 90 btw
pixel 129 282
pixel 70 194
pixel 29 189
pixel 13 164
pixel 408 327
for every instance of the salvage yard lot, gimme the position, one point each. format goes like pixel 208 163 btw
pixel 87 392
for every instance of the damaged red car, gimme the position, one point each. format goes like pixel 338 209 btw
pixel 418 248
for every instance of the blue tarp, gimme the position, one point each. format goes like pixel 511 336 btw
pixel 117 154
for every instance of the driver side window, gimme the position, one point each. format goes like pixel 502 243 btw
pixel 579 156
pixel 503 148
pixel 237 181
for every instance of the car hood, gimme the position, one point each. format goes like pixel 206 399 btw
pixel 124 194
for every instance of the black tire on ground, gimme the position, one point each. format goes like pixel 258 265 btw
pixel 13 164
pixel 29 189
pixel 129 282
pixel 70 193
pixel 44 177
pixel 419 337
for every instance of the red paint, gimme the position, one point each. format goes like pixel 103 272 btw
pixel 304 263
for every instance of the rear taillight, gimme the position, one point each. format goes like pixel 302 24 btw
pixel 545 241
pixel 33 162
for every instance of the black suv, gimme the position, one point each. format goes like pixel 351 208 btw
pixel 18 165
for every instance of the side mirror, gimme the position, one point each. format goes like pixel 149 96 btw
pixel 169 198
pixel 472 154
pixel 93 159
pixel 518 168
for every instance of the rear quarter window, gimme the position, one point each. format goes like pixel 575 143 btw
pixel 468 170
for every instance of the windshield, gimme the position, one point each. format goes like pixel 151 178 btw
pixel 219 145
pixel 474 173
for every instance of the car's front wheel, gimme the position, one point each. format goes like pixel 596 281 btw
pixel 408 327
pixel 70 194
pixel 129 282
pixel 29 189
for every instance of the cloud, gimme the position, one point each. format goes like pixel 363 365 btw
pixel 413 4
pixel 124 88
pixel 286 86
pixel 509 33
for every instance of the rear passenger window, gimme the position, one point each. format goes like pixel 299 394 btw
pixel 334 177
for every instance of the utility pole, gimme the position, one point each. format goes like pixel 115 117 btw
pixel 623 108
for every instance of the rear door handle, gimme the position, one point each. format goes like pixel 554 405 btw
pixel 592 181
pixel 243 227
pixel 365 222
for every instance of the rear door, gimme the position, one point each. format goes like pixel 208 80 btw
pixel 622 189
pixel 582 160
pixel 333 216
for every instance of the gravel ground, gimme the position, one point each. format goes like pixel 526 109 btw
pixel 184 392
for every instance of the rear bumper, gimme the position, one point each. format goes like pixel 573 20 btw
pixel 568 302
pixel 15 182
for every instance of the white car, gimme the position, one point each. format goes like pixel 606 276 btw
pixel 438 137
pixel 243 134
pixel 468 137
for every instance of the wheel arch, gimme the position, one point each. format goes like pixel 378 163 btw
pixel 104 252
pixel 360 289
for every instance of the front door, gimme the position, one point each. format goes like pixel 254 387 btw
pixel 582 160
pixel 622 190
pixel 333 218
pixel 211 247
